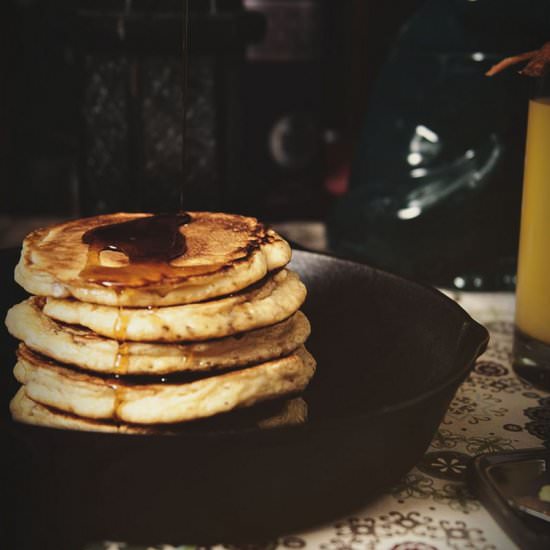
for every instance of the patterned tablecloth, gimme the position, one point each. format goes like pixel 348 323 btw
pixel 431 507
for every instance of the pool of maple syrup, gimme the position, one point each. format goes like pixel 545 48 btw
pixel 149 243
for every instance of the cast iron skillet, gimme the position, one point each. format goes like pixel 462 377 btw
pixel 391 355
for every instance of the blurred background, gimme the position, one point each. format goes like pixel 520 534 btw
pixel 360 127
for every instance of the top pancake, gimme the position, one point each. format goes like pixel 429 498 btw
pixel 225 253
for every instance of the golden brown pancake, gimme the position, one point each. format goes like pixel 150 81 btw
pixel 275 299
pixel 224 253
pixel 81 347
pixel 79 393
pixel 23 409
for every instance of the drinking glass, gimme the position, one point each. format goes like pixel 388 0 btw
pixel 531 355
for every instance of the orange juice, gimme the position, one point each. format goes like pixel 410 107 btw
pixel 533 284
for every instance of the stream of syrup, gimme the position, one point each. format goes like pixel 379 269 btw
pixel 184 98
pixel 148 244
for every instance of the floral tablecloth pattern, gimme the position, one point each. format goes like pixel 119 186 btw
pixel 431 508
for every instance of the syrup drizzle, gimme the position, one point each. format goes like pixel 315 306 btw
pixel 122 359
pixel 148 243
pixel 121 325
pixel 118 397
pixel 184 98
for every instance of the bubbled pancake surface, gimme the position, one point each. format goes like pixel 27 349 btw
pixel 75 345
pixel 225 253
pixel 275 299
pixel 82 394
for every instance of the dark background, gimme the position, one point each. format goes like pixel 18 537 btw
pixel 331 61
pixel 296 110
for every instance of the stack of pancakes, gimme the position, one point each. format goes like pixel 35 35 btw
pixel 113 344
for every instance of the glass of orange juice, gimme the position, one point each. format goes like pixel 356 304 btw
pixel 532 334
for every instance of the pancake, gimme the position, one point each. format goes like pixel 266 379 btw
pixel 275 299
pixel 81 347
pixel 224 253
pixel 23 409
pixel 159 323
pixel 82 394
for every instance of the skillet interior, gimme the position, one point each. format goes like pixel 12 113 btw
pixel 391 355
